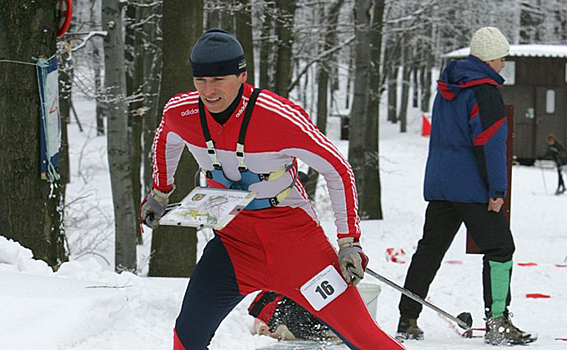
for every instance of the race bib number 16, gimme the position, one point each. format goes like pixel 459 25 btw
pixel 323 288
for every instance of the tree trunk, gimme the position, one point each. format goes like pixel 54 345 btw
pixel 117 138
pixel 136 111
pixel 96 59
pixel 244 34
pixel 152 77
pixel 284 32
pixel 100 108
pixel 359 115
pixel 363 133
pixel 393 93
pixel 415 95
pixel 323 86
pixel 266 44
pixel 426 83
pixel 390 67
pixel 322 103
pixel 174 249
pixel 406 75
pixel 65 103
pixel 219 15
pixel 351 70
pixel 31 209
pixel 370 198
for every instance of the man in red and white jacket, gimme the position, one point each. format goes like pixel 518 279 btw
pixel 248 139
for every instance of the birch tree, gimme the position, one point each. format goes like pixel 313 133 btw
pixel 117 137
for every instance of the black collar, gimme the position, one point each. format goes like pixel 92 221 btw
pixel 223 116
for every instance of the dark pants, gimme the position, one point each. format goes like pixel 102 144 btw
pixel 560 184
pixel 491 233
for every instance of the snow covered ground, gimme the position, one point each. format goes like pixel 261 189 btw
pixel 85 306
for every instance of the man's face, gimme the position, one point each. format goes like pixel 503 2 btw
pixel 497 64
pixel 218 93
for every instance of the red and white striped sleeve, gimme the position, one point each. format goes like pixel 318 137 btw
pixel 167 146
pixel 302 139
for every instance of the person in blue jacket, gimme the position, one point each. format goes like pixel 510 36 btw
pixel 466 181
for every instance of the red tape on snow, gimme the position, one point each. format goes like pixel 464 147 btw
pixel 538 296
pixel 531 263
pixel 454 262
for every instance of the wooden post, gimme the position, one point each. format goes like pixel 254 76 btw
pixel 471 245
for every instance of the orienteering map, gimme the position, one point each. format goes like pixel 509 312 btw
pixel 208 207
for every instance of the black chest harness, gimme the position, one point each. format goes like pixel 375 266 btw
pixel 217 178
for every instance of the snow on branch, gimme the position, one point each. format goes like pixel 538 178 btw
pixel 89 36
pixel 319 58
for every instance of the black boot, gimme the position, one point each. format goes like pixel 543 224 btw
pixel 408 329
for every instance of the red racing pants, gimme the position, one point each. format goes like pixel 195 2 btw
pixel 275 249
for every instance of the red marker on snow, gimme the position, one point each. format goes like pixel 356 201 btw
pixel 538 296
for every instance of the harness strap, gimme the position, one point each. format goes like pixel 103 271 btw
pixel 256 203
pixel 208 140
pixel 280 196
pixel 243 127
pixel 274 175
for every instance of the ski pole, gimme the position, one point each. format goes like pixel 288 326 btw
pixel 543 176
pixel 464 319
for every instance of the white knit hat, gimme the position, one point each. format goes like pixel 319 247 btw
pixel 489 43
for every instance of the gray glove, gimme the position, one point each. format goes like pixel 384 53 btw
pixel 352 260
pixel 153 207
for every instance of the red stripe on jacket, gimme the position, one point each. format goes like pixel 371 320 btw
pixel 474 111
pixel 487 134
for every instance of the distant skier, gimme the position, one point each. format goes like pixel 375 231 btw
pixel 250 139
pixel 556 151
pixel 466 181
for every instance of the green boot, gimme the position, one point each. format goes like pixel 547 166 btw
pixel 408 329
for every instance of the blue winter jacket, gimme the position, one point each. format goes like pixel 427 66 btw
pixel 467 146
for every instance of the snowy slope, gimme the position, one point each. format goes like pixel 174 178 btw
pixel 85 306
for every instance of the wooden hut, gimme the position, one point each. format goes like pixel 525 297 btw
pixel 536 85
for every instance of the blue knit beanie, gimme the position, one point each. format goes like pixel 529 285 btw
pixel 217 53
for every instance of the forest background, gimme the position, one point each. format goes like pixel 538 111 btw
pixel 336 58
